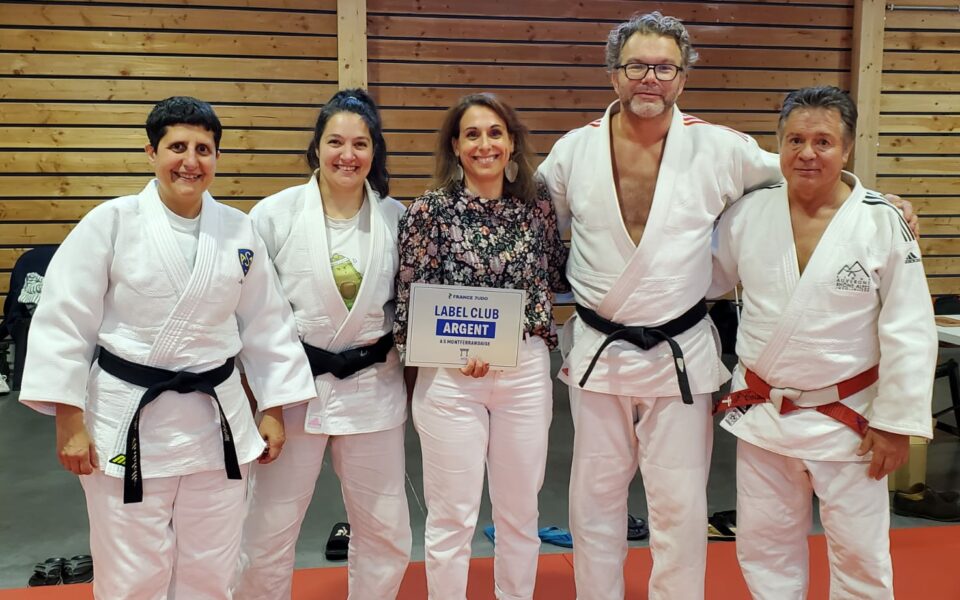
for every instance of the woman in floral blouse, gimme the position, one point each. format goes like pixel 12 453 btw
pixel 487 224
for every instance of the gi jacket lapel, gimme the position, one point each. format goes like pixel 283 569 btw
pixel 346 323
pixel 638 258
pixel 807 284
pixel 189 283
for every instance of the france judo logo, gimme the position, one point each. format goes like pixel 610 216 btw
pixel 246 258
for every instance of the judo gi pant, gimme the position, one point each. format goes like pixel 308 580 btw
pixel 181 542
pixel 670 442
pixel 501 421
pixel 774 506
pixel 372 477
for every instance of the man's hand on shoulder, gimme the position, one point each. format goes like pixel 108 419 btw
pixel 908 213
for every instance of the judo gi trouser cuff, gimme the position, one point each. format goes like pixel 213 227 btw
pixel 344 364
pixel 156 381
pixel 759 391
pixel 646 338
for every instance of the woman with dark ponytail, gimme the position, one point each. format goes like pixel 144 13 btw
pixel 333 243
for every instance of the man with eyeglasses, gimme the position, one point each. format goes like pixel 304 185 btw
pixel 643 186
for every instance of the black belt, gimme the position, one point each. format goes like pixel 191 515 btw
pixel 646 338
pixel 158 381
pixel 346 363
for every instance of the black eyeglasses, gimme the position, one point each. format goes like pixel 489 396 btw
pixel 638 71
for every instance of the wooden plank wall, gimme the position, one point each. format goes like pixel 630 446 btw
pixel 919 150
pixel 77 80
pixel 546 58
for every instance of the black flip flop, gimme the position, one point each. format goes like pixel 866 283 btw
pixel 79 569
pixel 339 542
pixel 637 529
pixel 49 572
pixel 722 526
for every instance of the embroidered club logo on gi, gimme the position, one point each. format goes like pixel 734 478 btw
pixel 911 258
pixel 119 459
pixel 853 278
pixel 246 258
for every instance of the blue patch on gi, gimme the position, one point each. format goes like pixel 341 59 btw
pixel 246 257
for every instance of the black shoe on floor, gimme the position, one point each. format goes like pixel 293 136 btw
pixel 926 503
pixel 339 542
pixel 637 528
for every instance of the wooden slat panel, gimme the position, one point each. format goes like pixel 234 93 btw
pixel 617 10
pixel 922 82
pixel 140 66
pixel 917 62
pixel 186 18
pixel 921 40
pixel 136 162
pixel 919 144
pixel 42 209
pixel 944 285
pixel 924 19
pixel 917 103
pixel 594 33
pixel 940 225
pixel 583 54
pixel 425 96
pixel 941 266
pixel 25 186
pixel 215 92
pixel 917 165
pixel 91 137
pixel 34 233
pixel 939 246
pixel 64 113
pixel 480 75
pixel 128 42
pixel 326 5
pixel 919 123
pixel 941 186
pixel 9 256
pixel 935 205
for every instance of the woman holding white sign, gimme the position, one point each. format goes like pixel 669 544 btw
pixel 333 243
pixel 488 224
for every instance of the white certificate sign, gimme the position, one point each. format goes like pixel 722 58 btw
pixel 450 323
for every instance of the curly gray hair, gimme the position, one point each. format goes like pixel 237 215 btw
pixel 650 24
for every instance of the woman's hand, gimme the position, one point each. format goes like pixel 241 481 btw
pixel 75 450
pixel 271 428
pixel 475 367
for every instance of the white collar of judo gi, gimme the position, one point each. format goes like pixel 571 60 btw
pixel 638 257
pixel 805 286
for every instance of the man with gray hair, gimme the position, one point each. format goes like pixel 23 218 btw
pixel 835 303
pixel 643 186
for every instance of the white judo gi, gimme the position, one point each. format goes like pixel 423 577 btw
pixel 120 281
pixel 862 300
pixel 361 416
pixel 629 411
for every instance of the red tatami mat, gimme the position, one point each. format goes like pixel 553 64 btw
pixel 926 563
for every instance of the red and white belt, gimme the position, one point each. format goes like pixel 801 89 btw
pixel 824 400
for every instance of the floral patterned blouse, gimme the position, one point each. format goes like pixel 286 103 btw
pixel 462 239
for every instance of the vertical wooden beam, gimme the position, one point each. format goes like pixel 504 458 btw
pixel 352 43
pixel 867 64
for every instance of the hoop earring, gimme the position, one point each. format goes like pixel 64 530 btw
pixel 458 173
pixel 511 171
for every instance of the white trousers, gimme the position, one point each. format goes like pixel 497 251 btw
pixel 371 471
pixel 671 443
pixel 774 507
pixel 181 542
pixel 501 420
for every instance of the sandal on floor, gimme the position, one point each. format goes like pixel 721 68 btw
pixel 79 569
pixel 556 536
pixel 637 529
pixel 722 526
pixel 49 572
pixel 339 542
